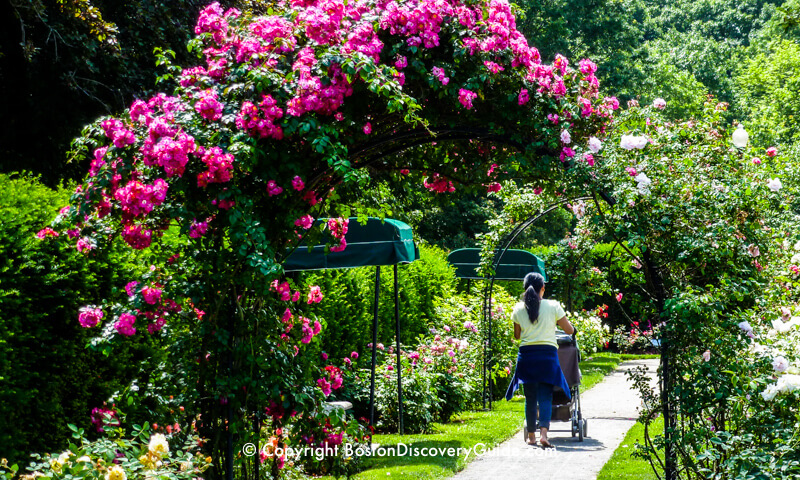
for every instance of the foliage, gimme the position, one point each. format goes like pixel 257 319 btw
pixel 768 89
pixel 623 464
pixel 572 278
pixel 49 379
pixel 421 404
pixel 700 223
pixel 348 306
pixel 697 214
pixel 64 62
pixel 611 32
pixel 592 335
pixel 117 457
pixel 327 434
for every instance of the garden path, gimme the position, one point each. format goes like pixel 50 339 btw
pixel 611 409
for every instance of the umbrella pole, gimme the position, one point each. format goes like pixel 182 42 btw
pixel 490 383
pixel 484 336
pixel 374 350
pixel 397 341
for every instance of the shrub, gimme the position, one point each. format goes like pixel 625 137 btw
pixel 118 457
pixel 421 404
pixel 633 340
pixel 49 378
pixel 592 335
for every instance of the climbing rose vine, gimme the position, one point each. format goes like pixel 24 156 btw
pixel 283 122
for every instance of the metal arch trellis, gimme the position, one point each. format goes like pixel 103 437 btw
pixel 487 299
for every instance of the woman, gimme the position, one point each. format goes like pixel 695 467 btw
pixel 538 369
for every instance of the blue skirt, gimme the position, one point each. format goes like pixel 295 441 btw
pixel 537 364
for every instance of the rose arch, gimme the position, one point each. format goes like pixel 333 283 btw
pixel 283 121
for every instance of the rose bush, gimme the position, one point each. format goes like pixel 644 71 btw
pixel 118 457
pixel 707 224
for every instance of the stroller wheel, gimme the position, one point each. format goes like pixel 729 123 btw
pixel 574 427
pixel 585 428
pixel 581 429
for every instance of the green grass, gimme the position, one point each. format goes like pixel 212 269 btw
pixel 467 430
pixel 622 466
pixel 630 356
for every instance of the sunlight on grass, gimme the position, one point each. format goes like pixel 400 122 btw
pixel 622 466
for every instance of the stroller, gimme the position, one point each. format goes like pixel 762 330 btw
pixel 567 410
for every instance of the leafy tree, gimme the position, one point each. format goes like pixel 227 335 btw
pixel 65 62
pixel 610 32
pixel 769 91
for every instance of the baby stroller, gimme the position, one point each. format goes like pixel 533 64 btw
pixel 567 410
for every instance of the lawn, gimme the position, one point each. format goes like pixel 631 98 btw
pixel 468 430
pixel 622 466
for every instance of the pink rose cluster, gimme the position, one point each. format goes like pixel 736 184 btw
pixel 219 164
pixel 284 291
pixel 89 316
pixel 136 236
pixel 439 184
pixel 331 380
pixel 314 295
pixel 305 222
pixel 338 229
pixel 349 27
pixel 104 417
pixel 151 295
pixel 125 324
pixel 46 232
pixel 310 331
pixel 259 121
pixel 208 105
pixel 198 229
pixel 439 73
pixel 168 147
pixel 273 188
pixel 493 187
pixel 137 199
pixel 117 132
pixel 466 97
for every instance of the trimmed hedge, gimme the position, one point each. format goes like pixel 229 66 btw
pixel 347 307
pixel 48 378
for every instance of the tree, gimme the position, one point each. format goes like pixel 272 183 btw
pixel 65 62
pixel 768 90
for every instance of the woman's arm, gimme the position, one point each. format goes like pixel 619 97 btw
pixel 565 325
pixel 517 331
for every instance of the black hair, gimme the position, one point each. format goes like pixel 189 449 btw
pixel 533 284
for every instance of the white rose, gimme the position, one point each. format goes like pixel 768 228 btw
pixel 780 364
pixel 158 445
pixel 595 145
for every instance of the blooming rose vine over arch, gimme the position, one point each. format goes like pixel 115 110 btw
pixel 282 123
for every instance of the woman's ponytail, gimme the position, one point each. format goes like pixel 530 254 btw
pixel 533 284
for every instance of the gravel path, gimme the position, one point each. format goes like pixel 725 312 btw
pixel 611 409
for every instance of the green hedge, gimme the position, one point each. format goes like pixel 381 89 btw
pixel 348 304
pixel 47 377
